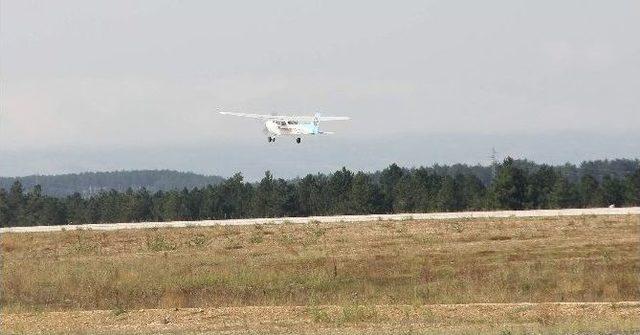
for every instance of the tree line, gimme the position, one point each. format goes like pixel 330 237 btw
pixel 513 185
pixel 91 183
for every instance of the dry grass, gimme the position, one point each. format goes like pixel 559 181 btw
pixel 410 262
pixel 571 318
pixel 373 277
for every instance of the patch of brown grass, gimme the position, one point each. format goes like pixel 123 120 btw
pixel 551 318
pixel 380 262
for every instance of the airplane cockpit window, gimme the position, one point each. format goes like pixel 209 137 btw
pixel 292 122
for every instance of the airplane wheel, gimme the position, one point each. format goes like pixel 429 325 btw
pixel 269 139
pixel 298 140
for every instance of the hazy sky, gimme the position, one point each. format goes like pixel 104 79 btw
pixel 125 78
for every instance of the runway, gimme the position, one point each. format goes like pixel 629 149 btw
pixel 332 219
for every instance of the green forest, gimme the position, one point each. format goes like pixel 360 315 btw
pixel 511 184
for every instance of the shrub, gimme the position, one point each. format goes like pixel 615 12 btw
pixel 158 243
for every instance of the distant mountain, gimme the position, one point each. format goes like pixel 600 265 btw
pixel 90 183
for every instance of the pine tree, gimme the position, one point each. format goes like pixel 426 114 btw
pixel 633 189
pixel 362 194
pixel 613 191
pixel 447 198
pixel 510 186
pixel 171 205
pixel 540 186
pixel 34 203
pixel 264 198
pixel 235 198
pixel 210 203
pixel 564 194
pixel 77 209
pixel 590 192
pixel 16 204
pixel 473 192
pixel 389 177
pixel 403 199
pixel 339 187
pixel 426 188
pixel 5 214
pixel 286 197
pixel 139 206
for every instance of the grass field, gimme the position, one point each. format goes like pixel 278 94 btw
pixel 395 276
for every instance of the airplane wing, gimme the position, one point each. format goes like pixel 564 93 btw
pixel 289 117
pixel 333 118
pixel 271 117
pixel 254 116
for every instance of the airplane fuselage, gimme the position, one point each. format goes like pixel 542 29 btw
pixel 290 128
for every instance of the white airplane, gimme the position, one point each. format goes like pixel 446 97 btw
pixel 296 126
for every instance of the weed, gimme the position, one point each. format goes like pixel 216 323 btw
pixel 546 314
pixel 118 311
pixel 83 245
pixel 358 313
pixel 428 315
pixel 500 238
pixel 458 227
pixel 287 239
pixel 402 229
pixel 318 315
pixel 256 238
pixel 8 245
pixel 386 224
pixel 198 240
pixel 316 231
pixel 233 245
pixel 422 239
pixel 158 243
pixel 342 240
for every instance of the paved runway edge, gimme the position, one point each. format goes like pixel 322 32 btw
pixel 332 219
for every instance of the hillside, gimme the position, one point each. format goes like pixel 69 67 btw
pixel 91 183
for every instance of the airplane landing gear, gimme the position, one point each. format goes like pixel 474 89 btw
pixel 271 139
pixel 298 140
